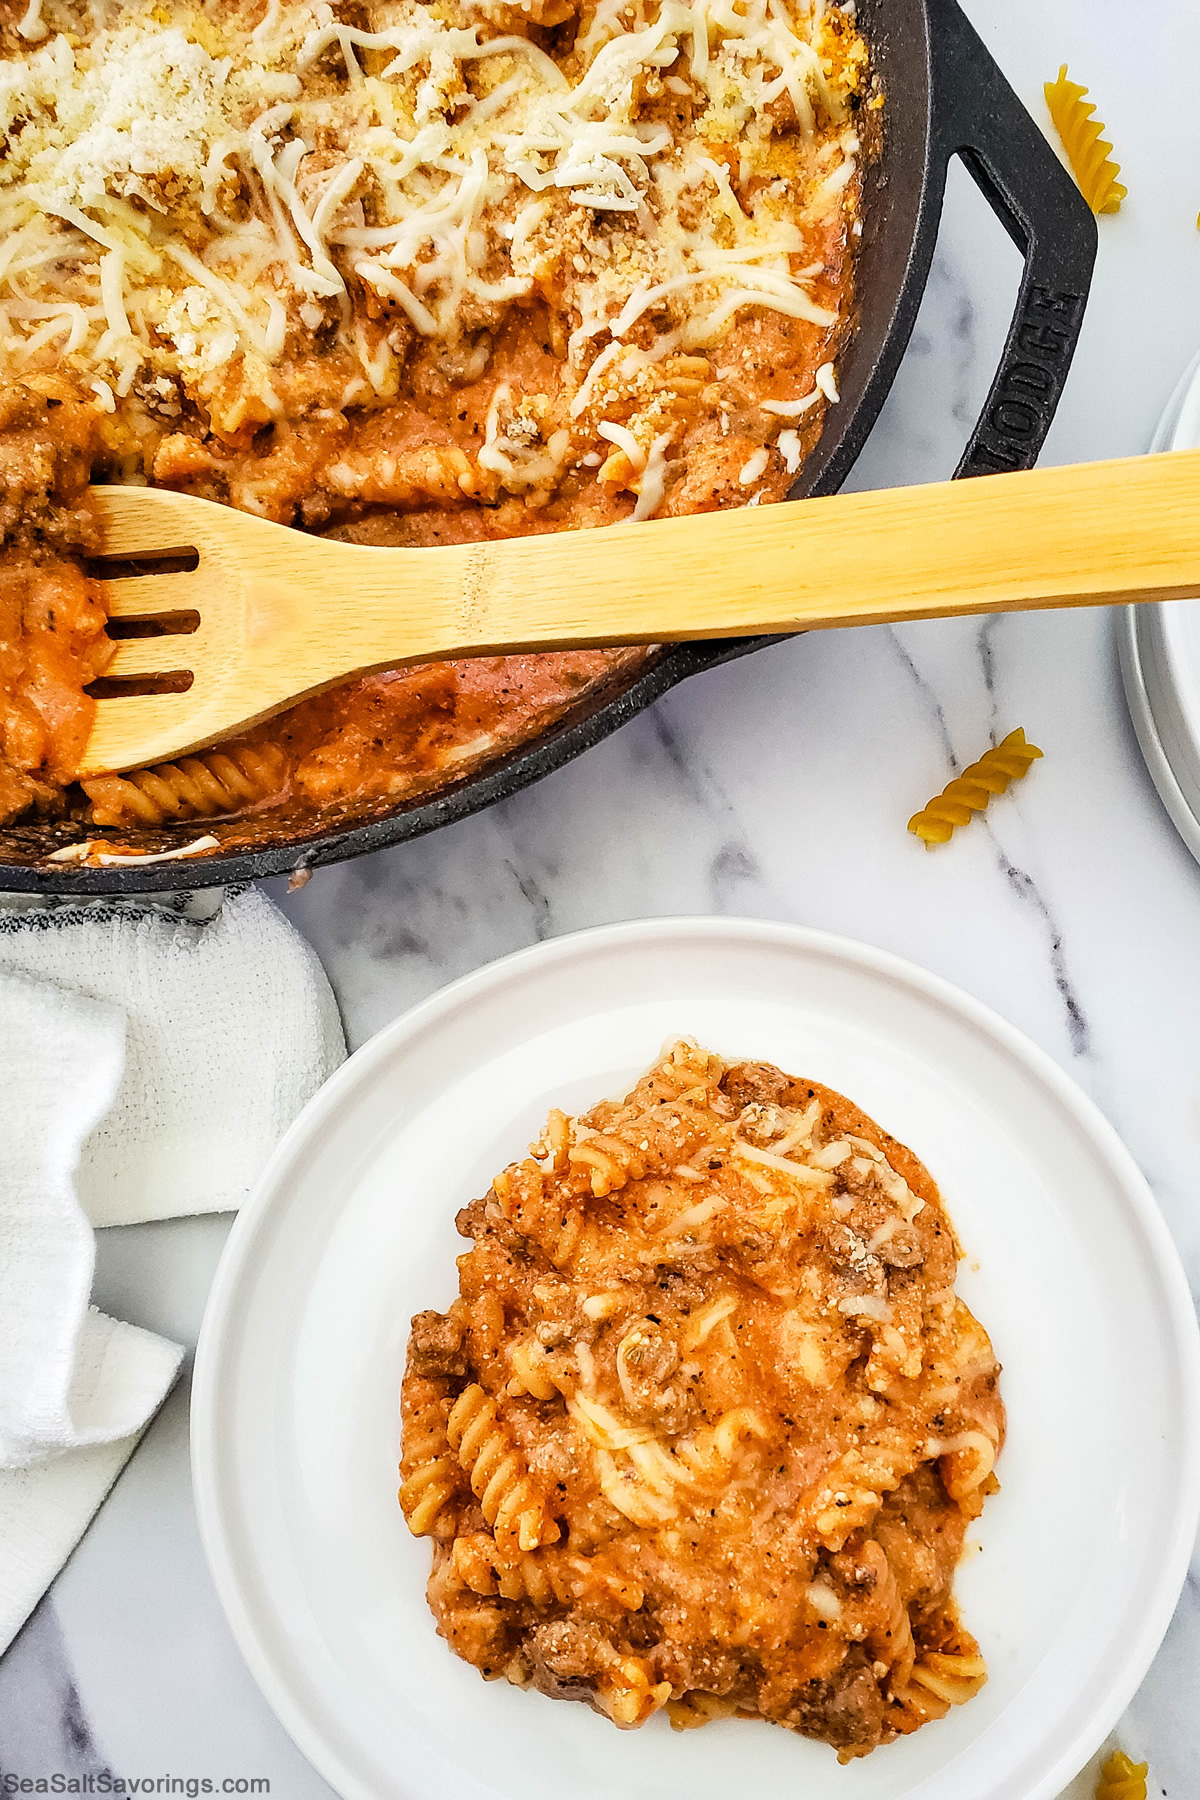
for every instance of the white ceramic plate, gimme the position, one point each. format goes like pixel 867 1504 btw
pixel 1068 1264
pixel 1160 657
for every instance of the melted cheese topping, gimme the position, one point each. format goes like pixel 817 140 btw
pixel 186 192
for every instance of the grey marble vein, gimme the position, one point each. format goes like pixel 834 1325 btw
pixel 43 1728
pixel 988 628
pixel 1026 889
pixel 1019 880
pixel 931 705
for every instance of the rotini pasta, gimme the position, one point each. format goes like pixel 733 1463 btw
pixel 709 1455
pixel 497 1472
pixel 428 1469
pixel 543 1577
pixel 970 792
pixel 1122 1779
pixel 723 1421
pixel 697 1708
pixel 966 1461
pixel 1083 140
pixel 485 1330
pixel 195 787
pixel 952 1679
pixel 889 1635
pixel 531 1372
pixel 627 1691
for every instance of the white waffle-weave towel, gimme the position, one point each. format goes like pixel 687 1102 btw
pixel 230 1025
pixel 148 1066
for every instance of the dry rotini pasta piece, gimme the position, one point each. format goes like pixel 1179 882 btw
pixel 1090 155
pixel 497 1473
pixel 195 787
pixel 969 793
pixel 1122 1779
pixel 428 1469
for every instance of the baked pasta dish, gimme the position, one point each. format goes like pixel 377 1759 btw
pixel 705 1428
pixel 401 272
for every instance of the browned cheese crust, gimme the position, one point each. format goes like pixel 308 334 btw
pixel 707 1424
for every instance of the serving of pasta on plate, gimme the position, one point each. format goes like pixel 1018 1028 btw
pixel 706 1426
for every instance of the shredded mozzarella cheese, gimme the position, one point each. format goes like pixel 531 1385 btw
pixel 116 140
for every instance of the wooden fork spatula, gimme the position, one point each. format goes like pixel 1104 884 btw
pixel 258 615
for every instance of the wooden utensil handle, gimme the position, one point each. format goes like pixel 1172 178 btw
pixel 1090 534
pixel 306 612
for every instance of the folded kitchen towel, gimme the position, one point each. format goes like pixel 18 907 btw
pixel 230 1025
pixel 148 1066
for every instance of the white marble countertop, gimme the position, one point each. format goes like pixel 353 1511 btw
pixel 778 786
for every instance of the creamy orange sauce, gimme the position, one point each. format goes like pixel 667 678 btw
pixel 52 639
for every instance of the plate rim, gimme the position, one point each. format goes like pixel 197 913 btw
pixel 1136 622
pixel 218 1330
pixel 1159 767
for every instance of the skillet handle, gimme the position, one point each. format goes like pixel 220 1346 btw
pixel 976 115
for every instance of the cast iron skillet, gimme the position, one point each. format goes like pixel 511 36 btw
pixel 944 97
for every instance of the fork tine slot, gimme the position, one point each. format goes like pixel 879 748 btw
pixel 127 687
pixel 143 596
pixel 163 562
pixel 174 624
pixel 151 656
